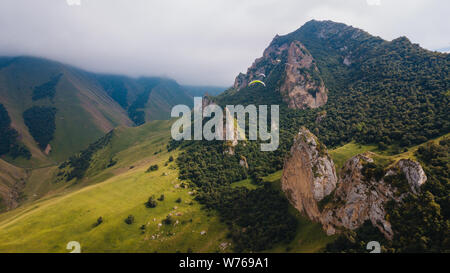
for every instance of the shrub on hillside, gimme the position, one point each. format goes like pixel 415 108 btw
pixel 152 168
pixel 168 220
pixel 129 220
pixel 151 203
pixel 99 221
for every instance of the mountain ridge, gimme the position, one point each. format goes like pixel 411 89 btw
pixel 81 98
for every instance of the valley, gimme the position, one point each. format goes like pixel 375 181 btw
pixel 364 154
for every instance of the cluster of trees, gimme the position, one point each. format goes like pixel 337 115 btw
pixel 98 222
pixel 152 168
pixel 115 87
pixel 356 241
pixel 258 219
pixel 151 203
pixel 136 115
pixel 40 121
pixel 46 90
pixel 78 164
pixel 129 220
pixel 167 221
pixel 2 205
pixel 8 137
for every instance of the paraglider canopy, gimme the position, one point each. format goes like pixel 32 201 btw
pixel 256 81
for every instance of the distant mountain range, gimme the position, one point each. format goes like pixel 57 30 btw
pixel 57 109
pixel 200 91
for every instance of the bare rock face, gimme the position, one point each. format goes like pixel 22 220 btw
pixel 48 149
pixel 207 100
pixel 238 133
pixel 243 162
pixel 309 174
pixel 311 185
pixel 358 199
pixel 301 87
pixel 413 172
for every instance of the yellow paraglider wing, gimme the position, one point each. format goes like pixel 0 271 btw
pixel 256 81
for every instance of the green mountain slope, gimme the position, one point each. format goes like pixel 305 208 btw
pixel 76 107
pixel 146 98
pixel 84 112
pixel 69 213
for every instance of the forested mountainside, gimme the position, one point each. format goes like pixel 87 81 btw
pixel 387 94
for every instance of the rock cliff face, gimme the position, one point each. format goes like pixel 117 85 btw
pixel 309 174
pixel 228 144
pixel 357 199
pixel 358 195
pixel 414 173
pixel 301 85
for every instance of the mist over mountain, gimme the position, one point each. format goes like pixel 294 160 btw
pixel 57 109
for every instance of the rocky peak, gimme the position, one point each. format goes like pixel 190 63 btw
pixel 207 100
pixel 328 29
pixel 229 145
pixel 309 174
pixel 301 85
pixel 360 193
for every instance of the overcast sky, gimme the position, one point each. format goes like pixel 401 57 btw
pixel 202 42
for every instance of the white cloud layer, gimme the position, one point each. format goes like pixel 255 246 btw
pixel 196 41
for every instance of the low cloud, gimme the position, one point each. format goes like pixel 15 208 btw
pixel 195 41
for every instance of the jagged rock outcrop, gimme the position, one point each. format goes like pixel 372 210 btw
pixel 243 162
pixel 358 199
pixel 309 174
pixel 301 87
pixel 207 100
pixel 360 194
pixel 413 172
pixel 228 144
